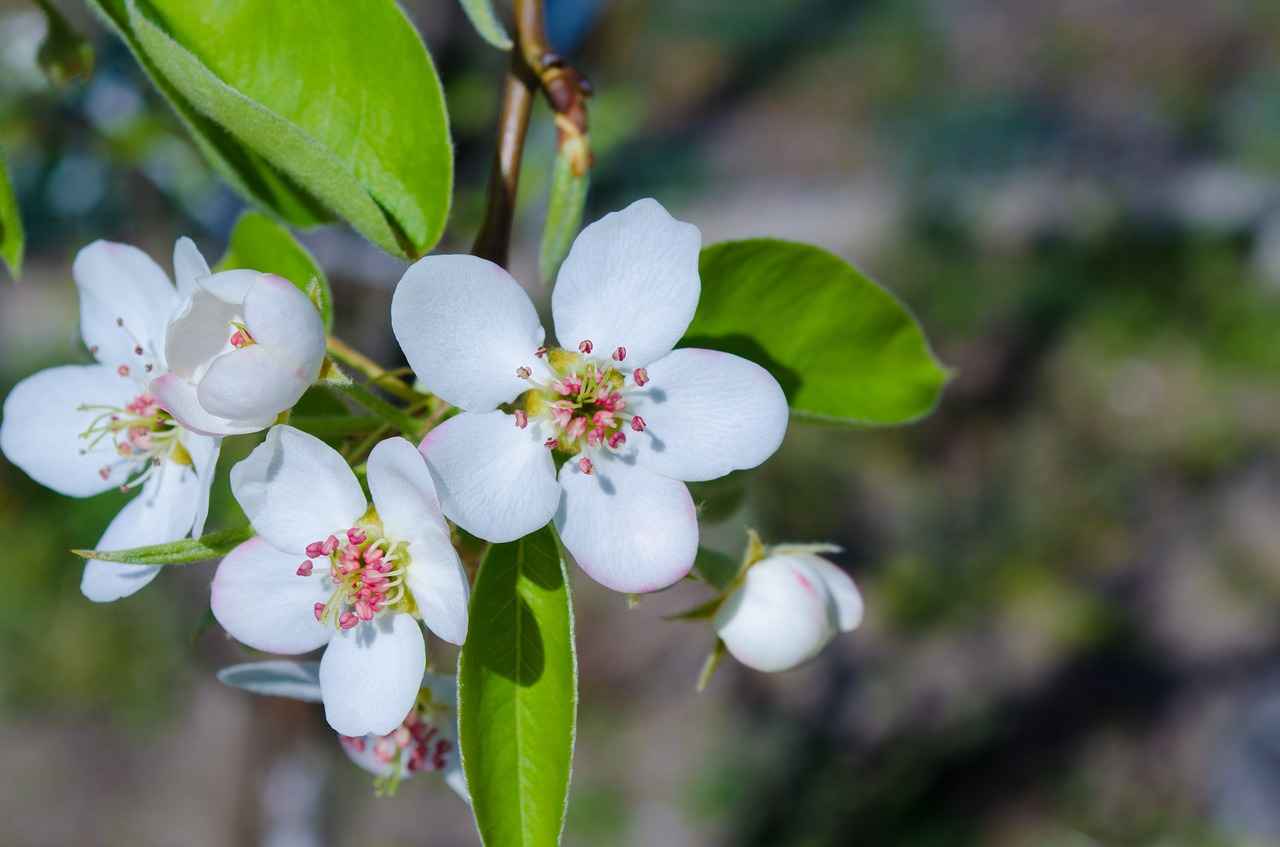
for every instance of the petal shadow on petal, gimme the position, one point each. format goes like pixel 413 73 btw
pixel 750 349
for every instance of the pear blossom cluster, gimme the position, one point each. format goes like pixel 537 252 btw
pixel 596 431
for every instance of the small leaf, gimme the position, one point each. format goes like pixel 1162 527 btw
pixel 518 692
pixel 261 244
pixel 176 552
pixel 715 568
pixel 564 215
pixel 844 349
pixel 12 238
pixel 485 20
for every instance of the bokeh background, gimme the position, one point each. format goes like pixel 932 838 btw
pixel 1072 570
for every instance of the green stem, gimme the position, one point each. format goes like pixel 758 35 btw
pixel 402 421
pixel 335 426
pixel 357 361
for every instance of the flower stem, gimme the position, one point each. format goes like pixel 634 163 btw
pixel 410 426
pixel 378 375
pixel 493 242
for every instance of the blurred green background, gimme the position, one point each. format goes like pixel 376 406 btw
pixel 1072 570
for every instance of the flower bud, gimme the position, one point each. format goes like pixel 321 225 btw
pixel 789 605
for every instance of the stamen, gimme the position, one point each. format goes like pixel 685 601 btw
pixel 585 346
pixel 641 376
pixel 523 372
pixel 550 444
pixel 584 465
pixel 620 354
pixel 522 418
pixel 123 370
pixel 617 439
pixel 540 352
pixel 137 351
pixel 637 423
pixel 305 568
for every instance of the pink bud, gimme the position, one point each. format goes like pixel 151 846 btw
pixel 620 354
pixel 584 465
pixel 304 569
pixel 637 423
pixel 641 376
pixel 585 347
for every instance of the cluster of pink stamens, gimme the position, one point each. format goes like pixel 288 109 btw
pixel 141 432
pixel 417 745
pixel 588 409
pixel 368 573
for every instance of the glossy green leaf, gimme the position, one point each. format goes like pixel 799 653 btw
pixel 340 98
pixel 843 349
pixel 183 552
pixel 259 243
pixel 12 238
pixel 567 199
pixel 249 174
pixel 517 693
pixel 485 20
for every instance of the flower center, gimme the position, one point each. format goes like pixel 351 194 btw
pixel 582 405
pixel 417 745
pixel 367 571
pixel 241 337
pixel 142 432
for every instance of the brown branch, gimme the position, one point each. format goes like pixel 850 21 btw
pixel 533 65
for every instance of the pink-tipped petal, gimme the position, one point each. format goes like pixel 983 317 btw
pixel 707 413
pixel 260 600
pixel 295 490
pixel 162 512
pixel 844 593
pixel 179 398
pixel 286 324
pixel 628 528
pixel 249 384
pixel 779 617
pixel 42 423
pixel 125 302
pixel 465 326
pixel 370 675
pixel 494 480
pixel 630 279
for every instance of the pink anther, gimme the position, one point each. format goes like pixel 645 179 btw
pixel 585 347
pixel 585 465
pixel 637 423
pixel 356 535
pixel 347 620
pixel 319 607
pixel 305 568
pixel 641 376
pixel 620 354
pixel 522 418
pixel 617 439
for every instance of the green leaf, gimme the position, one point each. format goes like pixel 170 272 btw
pixel 249 174
pixel 12 238
pixel 564 215
pixel 340 98
pixel 183 552
pixel 485 20
pixel 716 569
pixel 518 693
pixel 844 349
pixel 260 243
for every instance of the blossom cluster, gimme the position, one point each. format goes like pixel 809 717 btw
pixel 597 433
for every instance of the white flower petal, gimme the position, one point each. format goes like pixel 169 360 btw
pixel 707 413
pixel 628 528
pixel 189 266
pixel 630 280
pixel 260 600
pixel 42 425
pixel 778 618
pixel 276 678
pixel 370 674
pixel 178 397
pixel 231 287
pixel 284 322
pixel 203 451
pixel 439 586
pixel 248 384
pixel 162 512
pixel 199 332
pixel 403 491
pixel 845 596
pixel 295 490
pixel 125 302
pixel 494 480
pixel 465 326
